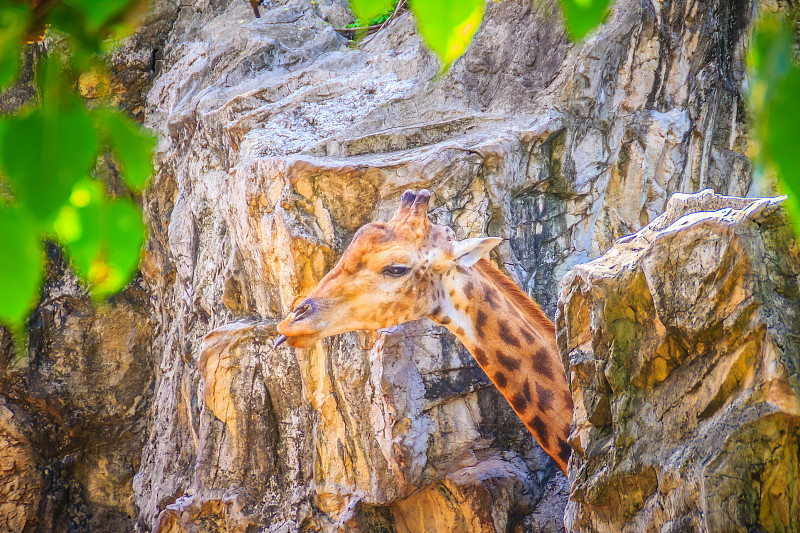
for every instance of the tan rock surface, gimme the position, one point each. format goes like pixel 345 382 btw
pixel 20 480
pixel 278 140
pixel 684 355
pixel 72 412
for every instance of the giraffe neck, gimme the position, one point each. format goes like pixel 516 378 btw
pixel 515 344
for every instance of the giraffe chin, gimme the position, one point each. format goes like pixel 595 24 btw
pixel 301 341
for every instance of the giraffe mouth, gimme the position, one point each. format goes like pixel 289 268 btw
pixel 297 341
pixel 297 330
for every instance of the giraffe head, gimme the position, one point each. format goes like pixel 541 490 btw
pixel 389 274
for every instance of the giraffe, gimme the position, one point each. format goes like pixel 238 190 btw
pixel 407 269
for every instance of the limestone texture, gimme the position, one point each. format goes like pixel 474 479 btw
pixel 73 410
pixel 278 138
pixel 684 353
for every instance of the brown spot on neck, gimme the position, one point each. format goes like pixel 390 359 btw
pixel 544 398
pixel 529 338
pixel 541 363
pixel 509 363
pixel 518 402
pixel 480 322
pixel 468 289
pixel 564 451
pixel 490 295
pixel 506 335
pixel 540 430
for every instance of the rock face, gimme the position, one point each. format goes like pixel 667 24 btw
pixel 684 354
pixel 73 412
pixel 73 409
pixel 278 139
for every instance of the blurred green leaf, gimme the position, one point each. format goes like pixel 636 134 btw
pixel 784 130
pixel 20 265
pixel 132 145
pixel 85 40
pixel 5 188
pixel 44 154
pixel 366 10
pixel 98 12
pixel 89 23
pixel 583 15
pixel 47 154
pixel 103 237
pixel 774 89
pixel 448 25
pixel 14 23
pixel 126 234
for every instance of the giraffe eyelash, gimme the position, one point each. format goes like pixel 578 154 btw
pixel 396 271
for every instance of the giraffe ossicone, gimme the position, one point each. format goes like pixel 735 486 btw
pixel 407 269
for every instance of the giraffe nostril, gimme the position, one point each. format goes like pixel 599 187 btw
pixel 303 310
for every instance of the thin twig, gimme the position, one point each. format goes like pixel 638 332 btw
pixel 375 28
pixel 385 22
pixel 53 300
pixel 254 5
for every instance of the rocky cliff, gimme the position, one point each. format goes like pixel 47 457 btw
pixel 683 346
pixel 169 409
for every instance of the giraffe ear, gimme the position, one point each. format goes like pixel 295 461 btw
pixel 469 251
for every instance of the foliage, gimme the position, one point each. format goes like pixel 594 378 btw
pixel 446 25
pixel 449 25
pixel 581 16
pixel 369 13
pixel 48 150
pixel 774 90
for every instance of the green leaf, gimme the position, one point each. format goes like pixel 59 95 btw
pixel 126 234
pixel 98 12
pixel 103 237
pixel 367 10
pixel 770 55
pixel 20 265
pixel 14 19
pixel 781 146
pixel 774 86
pixel 583 15
pixel 44 154
pixel 448 25
pixel 72 22
pixel 132 145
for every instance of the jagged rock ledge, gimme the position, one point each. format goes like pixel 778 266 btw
pixel 684 355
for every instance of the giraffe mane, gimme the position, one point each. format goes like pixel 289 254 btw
pixel 517 297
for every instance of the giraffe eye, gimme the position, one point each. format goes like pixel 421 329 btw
pixel 395 271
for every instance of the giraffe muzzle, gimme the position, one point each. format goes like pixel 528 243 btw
pixel 302 311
